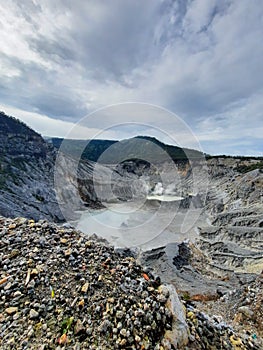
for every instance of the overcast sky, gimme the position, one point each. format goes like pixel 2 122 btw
pixel 201 59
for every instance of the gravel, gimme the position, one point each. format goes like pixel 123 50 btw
pixel 59 288
pixel 62 289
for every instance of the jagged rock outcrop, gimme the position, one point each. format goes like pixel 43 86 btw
pixel 26 172
pixel 226 260
pixel 27 169
pixel 235 208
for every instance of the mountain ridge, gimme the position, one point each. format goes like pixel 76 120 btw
pixel 131 148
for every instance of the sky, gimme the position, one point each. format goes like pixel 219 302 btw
pixel 63 60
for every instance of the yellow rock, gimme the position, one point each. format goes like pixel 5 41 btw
pixel 236 342
pixel 63 339
pixel 63 240
pixel 11 341
pixel 85 287
pixel 11 310
pixel 3 280
pixel 190 314
pixel 38 326
pixel 14 253
pixel 12 226
pixel 82 302
pixel 195 321
pixel 30 262
pixel 52 294
pixel 123 342
pixel 68 252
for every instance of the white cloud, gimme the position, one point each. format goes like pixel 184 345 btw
pixel 49 126
pixel 201 59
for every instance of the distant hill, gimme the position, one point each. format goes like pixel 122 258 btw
pixel 73 148
pixel 140 147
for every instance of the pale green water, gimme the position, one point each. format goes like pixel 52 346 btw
pixel 145 225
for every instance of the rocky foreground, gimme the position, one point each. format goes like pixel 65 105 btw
pixel 62 289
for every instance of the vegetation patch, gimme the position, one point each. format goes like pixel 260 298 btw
pixel 246 168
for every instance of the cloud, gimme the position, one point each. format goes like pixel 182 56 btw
pixel 53 127
pixel 201 59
